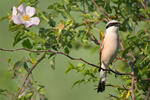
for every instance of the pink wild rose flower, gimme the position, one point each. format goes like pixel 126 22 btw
pixel 23 15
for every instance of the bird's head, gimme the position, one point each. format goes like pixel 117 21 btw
pixel 113 24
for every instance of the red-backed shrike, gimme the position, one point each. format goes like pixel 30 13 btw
pixel 109 51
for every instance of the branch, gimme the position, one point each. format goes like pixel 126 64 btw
pixel 148 94
pixel 105 14
pixel 27 77
pixel 133 81
pixel 72 58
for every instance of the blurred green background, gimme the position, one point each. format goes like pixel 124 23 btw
pixel 58 84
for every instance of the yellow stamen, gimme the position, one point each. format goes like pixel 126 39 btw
pixel 26 17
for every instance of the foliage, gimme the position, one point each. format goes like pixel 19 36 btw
pixel 67 27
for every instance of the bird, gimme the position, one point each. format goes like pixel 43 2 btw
pixel 109 50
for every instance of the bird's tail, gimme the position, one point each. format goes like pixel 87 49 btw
pixel 101 85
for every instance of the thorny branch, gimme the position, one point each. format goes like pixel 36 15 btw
pixel 27 77
pixel 72 58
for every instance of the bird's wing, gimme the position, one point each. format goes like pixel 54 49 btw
pixel 101 48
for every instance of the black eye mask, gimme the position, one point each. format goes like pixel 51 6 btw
pixel 112 24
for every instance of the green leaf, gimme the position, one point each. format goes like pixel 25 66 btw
pixel 18 64
pixel 52 23
pixel 69 67
pixel 78 82
pixel 125 52
pixel 26 67
pixel 18 37
pixel 17 67
pixel 32 57
pixel 52 63
pixel 28 96
pixel 66 50
pixel 41 89
pixel 9 60
pixel 3 18
pixel 3 92
pixel 27 44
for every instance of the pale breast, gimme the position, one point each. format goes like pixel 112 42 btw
pixel 110 47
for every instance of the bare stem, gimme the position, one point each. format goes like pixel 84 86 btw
pixel 132 79
pixel 148 94
pixel 117 86
pixel 27 77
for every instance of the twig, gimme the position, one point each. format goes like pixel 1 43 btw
pixel 144 5
pixel 118 86
pixel 27 77
pixel 148 94
pixel 105 14
pixel 110 95
pixel 93 38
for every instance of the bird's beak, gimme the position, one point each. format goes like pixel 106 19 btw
pixel 118 24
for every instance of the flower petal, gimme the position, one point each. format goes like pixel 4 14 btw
pixel 14 12
pixel 30 11
pixel 17 19
pixel 21 9
pixel 33 21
